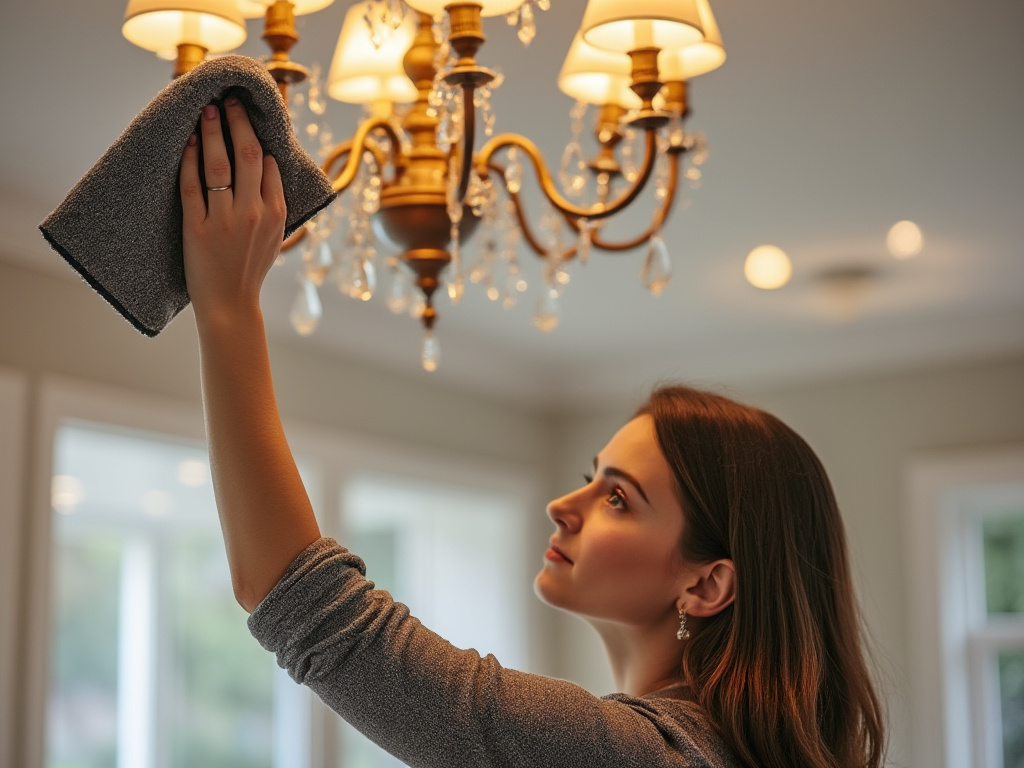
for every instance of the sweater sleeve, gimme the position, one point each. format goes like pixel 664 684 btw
pixel 435 706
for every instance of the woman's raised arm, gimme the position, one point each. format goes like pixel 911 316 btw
pixel 232 234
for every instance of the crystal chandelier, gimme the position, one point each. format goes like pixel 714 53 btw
pixel 414 180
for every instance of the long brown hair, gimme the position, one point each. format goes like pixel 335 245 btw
pixel 782 671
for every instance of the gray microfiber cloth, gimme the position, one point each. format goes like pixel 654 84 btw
pixel 120 226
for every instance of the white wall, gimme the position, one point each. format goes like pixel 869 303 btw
pixel 864 429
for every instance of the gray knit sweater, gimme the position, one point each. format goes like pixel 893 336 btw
pixel 435 706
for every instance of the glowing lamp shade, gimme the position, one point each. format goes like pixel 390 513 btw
pixel 696 59
pixel 597 77
pixel 363 74
pixel 161 25
pixel 257 9
pixel 767 267
pixel 626 26
pixel 490 7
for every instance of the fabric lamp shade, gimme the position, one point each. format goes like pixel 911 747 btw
pixel 161 25
pixel 696 59
pixel 620 26
pixel 361 73
pixel 257 9
pixel 490 7
pixel 596 76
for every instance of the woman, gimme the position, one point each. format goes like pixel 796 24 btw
pixel 706 549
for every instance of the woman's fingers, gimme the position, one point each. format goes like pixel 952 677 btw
pixel 272 190
pixel 248 152
pixel 216 164
pixel 193 205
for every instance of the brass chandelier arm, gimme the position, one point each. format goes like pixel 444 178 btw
pixel 524 224
pixel 380 156
pixel 657 222
pixel 547 183
pixel 468 138
pixel 358 143
pixel 354 148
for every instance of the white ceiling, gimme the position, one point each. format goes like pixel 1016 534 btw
pixel 829 122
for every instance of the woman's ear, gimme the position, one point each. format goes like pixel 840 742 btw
pixel 709 589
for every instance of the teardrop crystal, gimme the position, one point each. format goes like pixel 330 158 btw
pixel 509 294
pixel 317 261
pixel 513 172
pixel 430 351
pixel 357 279
pixel 549 311
pixel 456 286
pixel 583 243
pixel 400 291
pixel 306 309
pixel 657 269
pixel 527 25
pixel 571 172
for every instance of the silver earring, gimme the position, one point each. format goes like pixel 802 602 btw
pixel 682 633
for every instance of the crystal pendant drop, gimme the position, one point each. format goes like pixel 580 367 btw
pixel 514 171
pixel 456 283
pixel 527 25
pixel 571 172
pixel 509 292
pixel 583 242
pixel 549 312
pixel 456 286
pixel 306 309
pixel 430 351
pixel 453 203
pixel 657 269
pixel 399 293
pixel 358 280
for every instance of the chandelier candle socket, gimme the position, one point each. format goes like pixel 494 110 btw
pixel 420 187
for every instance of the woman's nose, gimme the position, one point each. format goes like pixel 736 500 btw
pixel 565 511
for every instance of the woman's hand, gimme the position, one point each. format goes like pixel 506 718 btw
pixel 232 235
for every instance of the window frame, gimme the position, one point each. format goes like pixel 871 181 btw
pixel 949 642
pixel 13 423
pixel 337 457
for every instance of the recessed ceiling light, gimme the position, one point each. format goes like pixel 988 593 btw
pixel 767 267
pixel 904 240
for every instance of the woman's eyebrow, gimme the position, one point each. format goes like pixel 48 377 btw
pixel 623 475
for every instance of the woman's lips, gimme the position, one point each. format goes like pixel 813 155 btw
pixel 555 555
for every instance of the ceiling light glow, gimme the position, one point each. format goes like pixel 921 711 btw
pixel 905 240
pixel 767 267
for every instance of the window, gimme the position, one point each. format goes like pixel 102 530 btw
pixel 966 541
pixel 453 555
pixel 151 664
pixel 137 652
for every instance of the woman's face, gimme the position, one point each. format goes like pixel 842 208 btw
pixel 615 553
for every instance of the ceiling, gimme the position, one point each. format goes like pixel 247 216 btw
pixel 829 122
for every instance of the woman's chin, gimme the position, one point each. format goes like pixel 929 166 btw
pixel 546 591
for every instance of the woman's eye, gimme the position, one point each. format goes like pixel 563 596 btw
pixel 617 499
pixel 587 478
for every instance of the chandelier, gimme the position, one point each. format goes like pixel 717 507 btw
pixel 416 182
